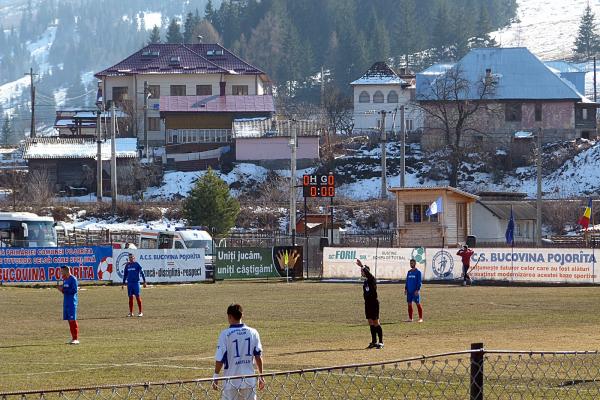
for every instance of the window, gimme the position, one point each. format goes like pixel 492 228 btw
pixel 153 124
pixel 364 97
pixel 409 125
pixel 378 97
pixel 120 93
pixel 591 114
pixel 154 91
pixel 392 96
pixel 177 90
pixel 179 245
pixel 512 112
pixel 584 113
pixel 461 215
pixel 538 112
pixel 239 90
pixel 203 90
pixel 416 213
pixel 147 243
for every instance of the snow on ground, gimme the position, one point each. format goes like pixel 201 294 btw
pixel 113 225
pixel 40 48
pixel 11 90
pixel 151 18
pixel 547 28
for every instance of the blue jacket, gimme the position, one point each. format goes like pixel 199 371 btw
pixel 132 273
pixel 413 280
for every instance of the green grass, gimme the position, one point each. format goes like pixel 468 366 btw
pixel 302 325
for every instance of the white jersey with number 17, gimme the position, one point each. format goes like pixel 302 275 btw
pixel 236 349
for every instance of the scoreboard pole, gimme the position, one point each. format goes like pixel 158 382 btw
pixel 331 228
pixel 305 239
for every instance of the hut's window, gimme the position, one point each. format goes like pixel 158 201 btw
pixel 415 213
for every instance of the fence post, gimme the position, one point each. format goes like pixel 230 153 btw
pixel 477 371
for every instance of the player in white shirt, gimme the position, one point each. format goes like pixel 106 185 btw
pixel 238 348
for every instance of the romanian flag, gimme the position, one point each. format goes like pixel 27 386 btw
pixel 585 218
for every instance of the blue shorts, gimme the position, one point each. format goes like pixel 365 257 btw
pixel 410 298
pixel 133 289
pixel 70 312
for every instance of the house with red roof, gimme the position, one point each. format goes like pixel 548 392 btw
pixel 150 76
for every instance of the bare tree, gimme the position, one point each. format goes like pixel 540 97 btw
pixel 39 189
pixel 338 112
pixel 456 106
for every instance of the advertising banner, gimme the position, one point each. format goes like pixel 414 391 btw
pixel 163 265
pixel 259 262
pixel 518 265
pixel 42 264
pixel 392 263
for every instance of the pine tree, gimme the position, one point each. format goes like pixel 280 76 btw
pixel 174 32
pixel 210 204
pixel 209 12
pixel 154 35
pixel 188 28
pixel 6 131
pixel 587 42
pixel 482 36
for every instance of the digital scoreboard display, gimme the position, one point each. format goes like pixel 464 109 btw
pixel 318 185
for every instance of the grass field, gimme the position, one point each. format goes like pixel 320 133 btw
pixel 302 325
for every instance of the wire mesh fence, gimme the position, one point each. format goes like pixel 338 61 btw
pixel 474 374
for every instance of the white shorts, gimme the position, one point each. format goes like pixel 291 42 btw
pixel 230 393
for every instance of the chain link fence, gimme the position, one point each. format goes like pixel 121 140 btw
pixel 474 374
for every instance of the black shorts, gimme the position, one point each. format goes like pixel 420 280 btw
pixel 372 309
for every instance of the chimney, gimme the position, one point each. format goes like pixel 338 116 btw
pixel 222 88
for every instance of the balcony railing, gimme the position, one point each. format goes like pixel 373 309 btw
pixel 183 136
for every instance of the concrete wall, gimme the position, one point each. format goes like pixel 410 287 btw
pixel 275 148
pixel 366 114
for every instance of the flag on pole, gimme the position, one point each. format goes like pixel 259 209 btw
pixel 585 218
pixel 435 207
pixel 510 229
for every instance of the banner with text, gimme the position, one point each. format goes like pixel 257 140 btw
pixel 163 265
pixel 259 262
pixel 392 263
pixel 42 264
pixel 518 265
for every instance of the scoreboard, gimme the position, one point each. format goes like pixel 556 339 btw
pixel 318 185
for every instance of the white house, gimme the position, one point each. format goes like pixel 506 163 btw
pixel 491 215
pixel 383 91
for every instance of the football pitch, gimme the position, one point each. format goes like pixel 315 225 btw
pixel 302 325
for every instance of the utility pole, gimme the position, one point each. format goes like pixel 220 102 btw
pixel 383 156
pixel 293 145
pixel 402 147
pixel 32 87
pixel 98 154
pixel 595 97
pixel 538 219
pixel 113 160
pixel 145 119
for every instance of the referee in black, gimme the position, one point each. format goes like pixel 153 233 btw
pixel 371 306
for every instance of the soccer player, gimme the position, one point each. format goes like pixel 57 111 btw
pixel 69 291
pixel 412 290
pixel 371 306
pixel 238 349
pixel 131 274
pixel 465 254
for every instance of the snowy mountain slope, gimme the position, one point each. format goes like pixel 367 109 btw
pixel 547 28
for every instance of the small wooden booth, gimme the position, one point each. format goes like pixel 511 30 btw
pixel 448 228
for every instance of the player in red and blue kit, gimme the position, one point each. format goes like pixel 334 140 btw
pixel 69 291
pixel 412 290
pixel 131 274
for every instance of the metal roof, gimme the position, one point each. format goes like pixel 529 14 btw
pixel 54 148
pixel 501 209
pixel 434 188
pixel 163 58
pixel 520 75
pixel 217 103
